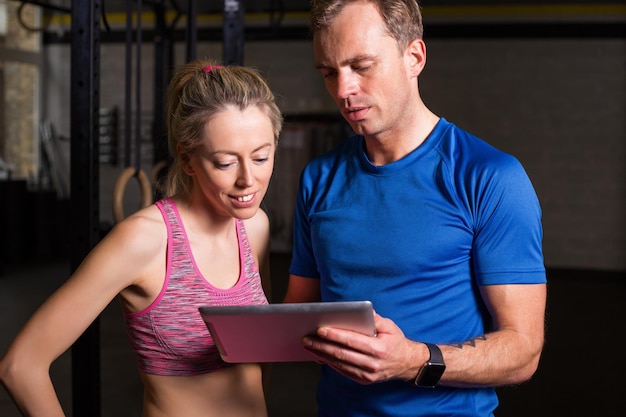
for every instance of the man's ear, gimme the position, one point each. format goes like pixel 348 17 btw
pixel 416 56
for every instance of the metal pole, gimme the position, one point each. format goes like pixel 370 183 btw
pixel 233 32
pixel 138 46
pixel 163 63
pixel 192 30
pixel 84 185
pixel 128 85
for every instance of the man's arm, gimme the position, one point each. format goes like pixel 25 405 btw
pixel 508 355
pixel 302 290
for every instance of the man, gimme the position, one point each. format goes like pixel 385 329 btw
pixel 441 231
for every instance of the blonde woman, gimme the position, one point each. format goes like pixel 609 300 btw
pixel 206 242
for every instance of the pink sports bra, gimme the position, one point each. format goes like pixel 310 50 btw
pixel 169 337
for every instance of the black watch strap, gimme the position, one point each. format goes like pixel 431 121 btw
pixel 435 353
pixel 432 370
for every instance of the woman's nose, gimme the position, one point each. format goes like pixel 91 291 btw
pixel 245 177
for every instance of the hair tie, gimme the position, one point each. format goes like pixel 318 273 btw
pixel 210 67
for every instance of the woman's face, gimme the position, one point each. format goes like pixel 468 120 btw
pixel 232 167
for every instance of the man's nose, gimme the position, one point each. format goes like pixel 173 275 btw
pixel 346 85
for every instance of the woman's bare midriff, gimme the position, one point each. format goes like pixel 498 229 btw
pixel 235 391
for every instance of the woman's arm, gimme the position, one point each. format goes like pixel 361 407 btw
pixel 117 262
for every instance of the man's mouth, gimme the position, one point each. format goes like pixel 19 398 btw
pixel 355 113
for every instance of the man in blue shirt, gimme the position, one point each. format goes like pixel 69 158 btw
pixel 440 230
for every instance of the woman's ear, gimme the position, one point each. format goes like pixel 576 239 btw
pixel 185 162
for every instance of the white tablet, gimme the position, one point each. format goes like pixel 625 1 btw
pixel 274 332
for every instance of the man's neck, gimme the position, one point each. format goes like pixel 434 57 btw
pixel 395 144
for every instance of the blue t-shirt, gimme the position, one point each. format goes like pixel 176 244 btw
pixel 417 237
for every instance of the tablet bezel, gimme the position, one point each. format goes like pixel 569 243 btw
pixel 274 332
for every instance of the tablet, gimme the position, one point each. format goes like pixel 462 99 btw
pixel 274 332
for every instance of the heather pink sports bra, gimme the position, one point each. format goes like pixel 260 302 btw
pixel 169 336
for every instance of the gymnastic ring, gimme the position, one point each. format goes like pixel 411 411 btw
pixel 120 187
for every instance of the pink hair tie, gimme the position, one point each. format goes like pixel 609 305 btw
pixel 210 67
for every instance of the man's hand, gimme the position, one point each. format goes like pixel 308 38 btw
pixel 368 359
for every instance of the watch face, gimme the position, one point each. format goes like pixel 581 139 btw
pixel 430 375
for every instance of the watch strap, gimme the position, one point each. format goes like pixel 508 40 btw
pixel 429 374
pixel 435 353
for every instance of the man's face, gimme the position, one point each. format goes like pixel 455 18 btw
pixel 364 70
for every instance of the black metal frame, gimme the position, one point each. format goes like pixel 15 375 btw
pixel 84 186
pixel 233 32
pixel 84 154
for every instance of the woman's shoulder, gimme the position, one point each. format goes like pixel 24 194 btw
pixel 258 231
pixel 143 232
pixel 257 224
pixel 127 254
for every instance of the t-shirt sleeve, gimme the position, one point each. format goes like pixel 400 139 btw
pixel 508 236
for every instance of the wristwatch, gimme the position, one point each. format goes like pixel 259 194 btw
pixel 432 370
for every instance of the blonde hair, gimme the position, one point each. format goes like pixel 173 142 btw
pixel 198 91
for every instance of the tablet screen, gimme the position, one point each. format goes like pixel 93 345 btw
pixel 274 332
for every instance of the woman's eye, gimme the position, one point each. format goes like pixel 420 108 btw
pixel 223 165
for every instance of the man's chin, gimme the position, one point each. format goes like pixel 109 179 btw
pixel 358 127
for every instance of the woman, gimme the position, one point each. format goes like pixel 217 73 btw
pixel 206 242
